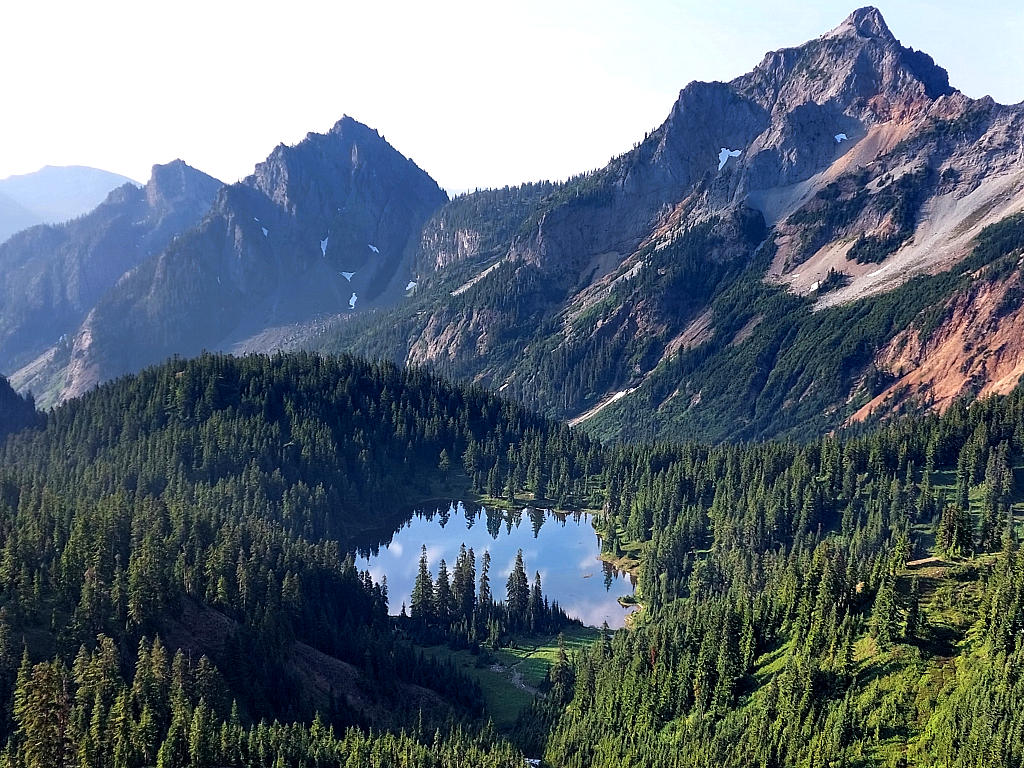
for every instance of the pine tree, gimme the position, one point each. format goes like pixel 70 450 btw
pixel 42 712
pixel 518 591
pixel 884 614
pixel 422 603
pixel 485 599
pixel 443 602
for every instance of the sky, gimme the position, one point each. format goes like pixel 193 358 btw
pixel 478 93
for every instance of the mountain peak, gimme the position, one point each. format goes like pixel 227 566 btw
pixel 177 180
pixel 864 22
pixel 350 127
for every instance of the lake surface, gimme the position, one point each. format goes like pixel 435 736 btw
pixel 563 547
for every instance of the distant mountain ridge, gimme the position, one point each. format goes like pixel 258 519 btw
pixel 51 275
pixel 53 194
pixel 323 228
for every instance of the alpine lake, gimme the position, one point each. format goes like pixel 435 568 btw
pixel 563 547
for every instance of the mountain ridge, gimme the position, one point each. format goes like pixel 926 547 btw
pixel 855 152
pixel 52 195
pixel 318 229
pixel 52 274
pixel 829 175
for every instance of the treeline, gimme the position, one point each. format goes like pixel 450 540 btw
pixel 454 608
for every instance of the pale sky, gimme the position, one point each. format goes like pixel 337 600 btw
pixel 478 93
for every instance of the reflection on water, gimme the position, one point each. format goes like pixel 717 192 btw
pixel 563 547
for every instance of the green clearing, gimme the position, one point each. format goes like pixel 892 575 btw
pixel 504 701
pixel 533 657
pixel 508 676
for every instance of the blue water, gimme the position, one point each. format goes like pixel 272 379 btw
pixel 564 548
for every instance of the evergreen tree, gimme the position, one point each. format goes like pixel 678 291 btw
pixel 518 591
pixel 422 605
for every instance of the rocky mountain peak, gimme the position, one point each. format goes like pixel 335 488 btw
pixel 177 181
pixel 858 67
pixel 864 22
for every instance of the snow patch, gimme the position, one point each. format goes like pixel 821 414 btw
pixel 374 248
pixel 352 301
pixel 725 154
pixel 841 137
pixel 347 275
pixel 323 245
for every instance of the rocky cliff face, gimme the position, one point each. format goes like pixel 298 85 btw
pixel 324 228
pixel 51 275
pixel 836 170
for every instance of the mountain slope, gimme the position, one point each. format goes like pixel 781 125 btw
pixel 834 171
pixel 53 194
pixel 321 229
pixel 52 275
pixel 207 508
pixel 869 586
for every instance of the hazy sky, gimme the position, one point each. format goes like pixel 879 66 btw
pixel 478 93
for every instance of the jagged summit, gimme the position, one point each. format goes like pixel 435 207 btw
pixel 864 22
pixel 858 67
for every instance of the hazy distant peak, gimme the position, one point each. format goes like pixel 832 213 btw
pixel 59 193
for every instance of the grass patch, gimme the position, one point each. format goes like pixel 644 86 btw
pixel 503 700
pixel 533 657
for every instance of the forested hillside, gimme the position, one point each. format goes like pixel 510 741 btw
pixel 174 578
pixel 175 542
pixel 852 601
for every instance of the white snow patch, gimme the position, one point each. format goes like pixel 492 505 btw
pixel 348 275
pixel 725 154
pixel 323 245
pixel 841 137
pixel 352 302
pixel 374 248
pixel 265 230
pixel 410 285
